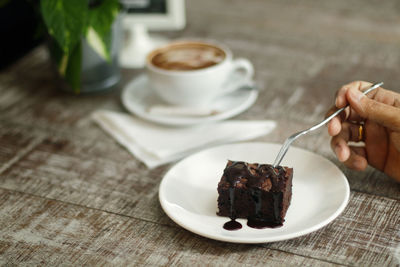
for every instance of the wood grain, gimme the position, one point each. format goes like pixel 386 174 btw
pixel 70 195
pixel 80 236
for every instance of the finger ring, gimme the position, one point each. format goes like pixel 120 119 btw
pixel 361 133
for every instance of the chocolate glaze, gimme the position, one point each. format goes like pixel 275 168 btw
pixel 232 213
pixel 255 176
pixel 257 222
pixel 260 224
pixel 232 225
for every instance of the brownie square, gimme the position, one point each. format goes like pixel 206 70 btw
pixel 258 192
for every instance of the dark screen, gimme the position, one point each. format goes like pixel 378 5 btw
pixel 145 6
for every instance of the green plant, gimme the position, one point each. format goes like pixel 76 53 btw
pixel 70 21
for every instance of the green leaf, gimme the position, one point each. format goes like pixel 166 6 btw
pixel 98 32
pixel 65 20
pixel 69 66
pixel 74 66
pixel 58 56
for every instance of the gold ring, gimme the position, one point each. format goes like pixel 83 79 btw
pixel 361 133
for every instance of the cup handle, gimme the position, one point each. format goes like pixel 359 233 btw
pixel 235 82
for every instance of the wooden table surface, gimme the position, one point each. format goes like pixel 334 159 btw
pixel 70 195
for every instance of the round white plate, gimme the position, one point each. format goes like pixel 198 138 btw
pixel 188 192
pixel 138 98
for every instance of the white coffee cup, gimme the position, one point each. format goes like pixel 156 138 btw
pixel 181 78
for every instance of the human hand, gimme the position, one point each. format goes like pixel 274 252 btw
pixel 379 115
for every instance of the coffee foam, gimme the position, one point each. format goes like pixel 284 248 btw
pixel 188 57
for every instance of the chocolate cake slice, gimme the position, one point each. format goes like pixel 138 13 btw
pixel 258 192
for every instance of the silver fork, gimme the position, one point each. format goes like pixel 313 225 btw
pixel 290 139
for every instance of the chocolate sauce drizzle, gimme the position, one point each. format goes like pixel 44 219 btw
pixel 255 176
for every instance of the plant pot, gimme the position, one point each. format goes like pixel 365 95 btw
pixel 95 72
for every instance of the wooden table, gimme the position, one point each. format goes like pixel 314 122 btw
pixel 70 195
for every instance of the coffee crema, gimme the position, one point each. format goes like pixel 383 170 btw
pixel 187 56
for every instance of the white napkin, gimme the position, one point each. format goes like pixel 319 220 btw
pixel 156 144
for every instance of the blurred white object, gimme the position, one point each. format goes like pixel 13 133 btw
pixel 137 46
pixel 167 110
pixel 139 99
pixel 138 18
pixel 156 144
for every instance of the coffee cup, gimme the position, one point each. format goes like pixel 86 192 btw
pixel 194 73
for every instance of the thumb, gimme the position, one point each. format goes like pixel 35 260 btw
pixel 373 110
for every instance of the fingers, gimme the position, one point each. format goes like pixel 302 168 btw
pixel 341 100
pixel 377 140
pixel 341 149
pixel 384 114
pixel 335 125
pixel 357 159
pixel 352 156
pixel 349 132
pixel 386 97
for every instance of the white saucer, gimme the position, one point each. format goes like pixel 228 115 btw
pixel 138 99
pixel 188 192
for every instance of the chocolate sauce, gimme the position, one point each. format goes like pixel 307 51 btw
pixel 232 225
pixel 260 224
pixel 234 175
pixel 256 221
pixel 255 176
pixel 256 196
pixel 232 214
pixel 277 200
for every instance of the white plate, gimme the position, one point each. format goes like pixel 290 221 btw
pixel 188 192
pixel 138 98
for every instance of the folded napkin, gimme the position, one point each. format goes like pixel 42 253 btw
pixel 156 144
